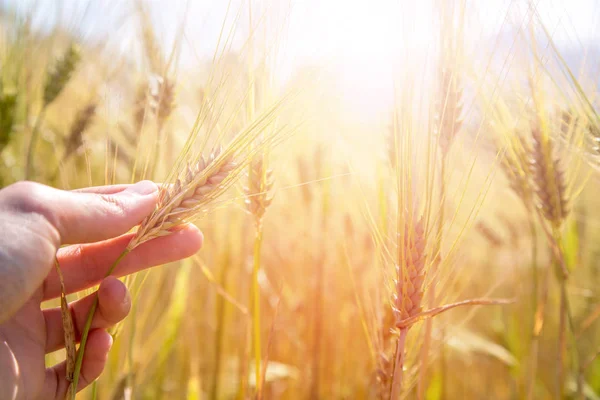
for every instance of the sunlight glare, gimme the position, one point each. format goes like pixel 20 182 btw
pixel 363 42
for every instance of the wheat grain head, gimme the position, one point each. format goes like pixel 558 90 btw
pixel 259 190
pixel 410 272
pixel 82 121
pixel 60 73
pixel 548 179
pixel 515 164
pixel 190 192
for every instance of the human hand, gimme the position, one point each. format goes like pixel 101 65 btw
pixel 35 220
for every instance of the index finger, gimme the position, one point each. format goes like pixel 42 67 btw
pixel 85 265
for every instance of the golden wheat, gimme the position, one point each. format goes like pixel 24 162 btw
pixel 57 77
pixel 548 179
pixel 410 273
pixel 260 185
pixel 184 198
pixel 82 121
pixel 60 73
pixel 516 165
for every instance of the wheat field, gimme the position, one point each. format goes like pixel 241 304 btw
pixel 397 198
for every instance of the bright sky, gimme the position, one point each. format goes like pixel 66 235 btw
pixel 361 40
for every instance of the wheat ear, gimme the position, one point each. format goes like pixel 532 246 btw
pixel 548 180
pixel 164 100
pixel 75 139
pixel 57 78
pixel 258 198
pixel 259 190
pixel 550 189
pixel 515 165
pixel 60 74
pixel 184 198
pixel 410 273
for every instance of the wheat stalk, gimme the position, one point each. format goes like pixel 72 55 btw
pixel 258 198
pixel 407 298
pixel 68 328
pixel 448 121
pixel 550 189
pixel 516 165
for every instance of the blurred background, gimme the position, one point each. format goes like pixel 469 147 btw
pixel 463 133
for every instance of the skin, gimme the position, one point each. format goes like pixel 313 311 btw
pixel 86 230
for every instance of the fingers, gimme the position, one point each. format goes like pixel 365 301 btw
pixel 94 360
pixel 83 266
pixel 80 217
pixel 114 304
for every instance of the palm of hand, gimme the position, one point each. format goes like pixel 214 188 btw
pixel 24 335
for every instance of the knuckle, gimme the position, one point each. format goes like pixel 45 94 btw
pixel 114 205
pixel 31 199
pixel 89 263
pixel 23 196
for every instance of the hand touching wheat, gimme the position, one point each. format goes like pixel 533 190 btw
pixel 35 220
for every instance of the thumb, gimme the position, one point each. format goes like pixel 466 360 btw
pixel 83 217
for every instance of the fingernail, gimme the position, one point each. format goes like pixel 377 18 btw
pixel 110 341
pixel 126 302
pixel 142 188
